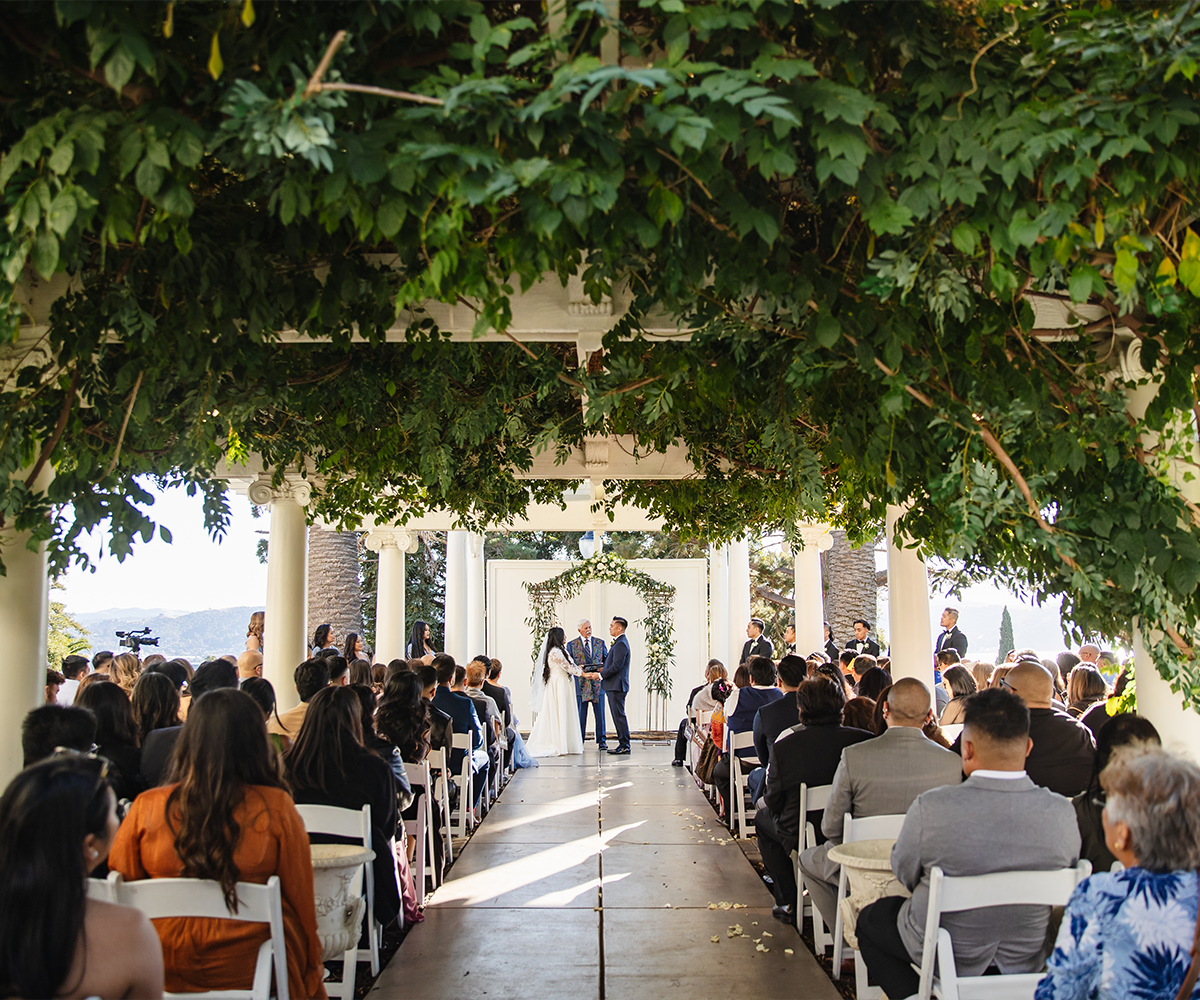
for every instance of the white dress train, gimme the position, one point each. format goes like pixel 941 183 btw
pixel 556 730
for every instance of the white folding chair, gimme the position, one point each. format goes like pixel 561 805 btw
pixel 356 824
pixel 465 821
pixel 438 761
pixel 886 827
pixel 699 723
pixel 811 799
pixel 422 827
pixel 193 897
pixel 737 781
pixel 952 731
pixel 975 892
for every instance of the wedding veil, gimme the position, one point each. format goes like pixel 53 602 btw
pixel 537 687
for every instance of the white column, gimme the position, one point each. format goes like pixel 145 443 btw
pixel 718 602
pixel 809 593
pixel 456 596
pixel 24 616
pixel 909 630
pixel 476 630
pixel 390 628
pixel 285 642
pixel 739 599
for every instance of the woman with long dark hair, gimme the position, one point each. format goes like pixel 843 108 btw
pixel 226 815
pixel 116 737
pixel 263 692
pixel 155 704
pixel 57 821
pixel 328 765
pixel 418 647
pixel 353 650
pixel 556 729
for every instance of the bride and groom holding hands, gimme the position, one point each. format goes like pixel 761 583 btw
pixel 557 729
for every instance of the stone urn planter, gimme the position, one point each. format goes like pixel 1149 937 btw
pixel 337 886
pixel 868 867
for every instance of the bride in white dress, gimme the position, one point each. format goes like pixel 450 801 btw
pixel 556 729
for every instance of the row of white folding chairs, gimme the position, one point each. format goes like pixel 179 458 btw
pixel 421 829
pixel 811 799
pixel 202 898
pixel 739 770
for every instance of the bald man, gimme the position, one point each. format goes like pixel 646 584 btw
pixel 1089 653
pixel 880 777
pixel 1063 748
pixel 249 664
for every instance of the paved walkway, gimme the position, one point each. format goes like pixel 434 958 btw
pixel 593 877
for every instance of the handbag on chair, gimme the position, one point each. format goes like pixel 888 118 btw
pixel 709 755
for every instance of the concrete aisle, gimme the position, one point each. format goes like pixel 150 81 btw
pixel 592 878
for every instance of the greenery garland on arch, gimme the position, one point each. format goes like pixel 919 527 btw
pixel 610 568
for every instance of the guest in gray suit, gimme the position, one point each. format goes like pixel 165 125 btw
pixel 997 820
pixel 877 778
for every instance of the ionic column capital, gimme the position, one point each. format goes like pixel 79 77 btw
pixel 263 492
pixel 815 536
pixel 377 539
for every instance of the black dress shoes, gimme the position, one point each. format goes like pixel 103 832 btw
pixel 784 913
pixel 620 751
pixel 677 763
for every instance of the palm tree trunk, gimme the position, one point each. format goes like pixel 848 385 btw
pixel 851 588
pixel 334 595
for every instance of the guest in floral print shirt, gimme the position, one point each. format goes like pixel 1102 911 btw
pixel 1129 935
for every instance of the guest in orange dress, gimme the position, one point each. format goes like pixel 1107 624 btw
pixel 226 816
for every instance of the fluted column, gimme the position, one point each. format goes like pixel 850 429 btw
pixel 909 630
pixel 24 613
pixel 390 628
pixel 739 599
pixel 718 602
pixel 456 595
pixel 809 593
pixel 476 632
pixel 285 643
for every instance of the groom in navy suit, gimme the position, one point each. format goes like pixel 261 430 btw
pixel 615 682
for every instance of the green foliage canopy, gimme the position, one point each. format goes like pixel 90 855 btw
pixel 853 207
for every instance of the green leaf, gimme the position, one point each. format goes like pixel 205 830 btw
pixel 129 152
pixel 1085 280
pixel 62 157
pixel 178 200
pixel 828 330
pixel 164 533
pixel 1004 282
pixel 885 216
pixel 1125 271
pixel 390 216
pixel 966 238
pixel 118 70
pixel 149 178
pixel 1023 230
pixel 45 254
pixel 188 149
pixel 62 212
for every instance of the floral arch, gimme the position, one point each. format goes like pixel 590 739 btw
pixel 658 597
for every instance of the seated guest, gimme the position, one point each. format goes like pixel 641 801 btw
pixel 101 660
pixel 959 683
pixel 226 816
pixel 997 820
pixel 860 714
pixel 441 726
pixel 125 669
pixel 160 744
pixel 52 726
pixel 1129 934
pixel 845 663
pixel 74 669
pixel 263 693
pixel 1096 717
pixel 465 720
pixel 931 729
pixel 1064 663
pixel 1122 731
pixel 873 680
pixel 249 664
pixel 742 706
pixel 155 704
pixel 681 736
pixel 97 677
pixel 1085 687
pixel 360 673
pixel 309 677
pixel 54 681
pixel 1063 749
pixel 378 676
pixel 982 671
pixel 471 684
pixel 772 719
pixel 946 659
pixel 116 738
pixel 880 777
pixel 329 766
pixel 58 819
pixel 860 665
pixel 809 755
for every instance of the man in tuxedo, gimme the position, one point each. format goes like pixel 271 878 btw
pixel 589 652
pixel 757 644
pixel 862 641
pixel 615 682
pixel 789 639
pixel 951 637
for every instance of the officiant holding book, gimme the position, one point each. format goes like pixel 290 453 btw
pixel 589 652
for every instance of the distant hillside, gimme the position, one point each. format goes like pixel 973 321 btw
pixel 196 635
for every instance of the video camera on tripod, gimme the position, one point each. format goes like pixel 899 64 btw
pixel 135 639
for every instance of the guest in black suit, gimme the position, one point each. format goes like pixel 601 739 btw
pixel 757 644
pixel 808 756
pixel 862 641
pixel 951 637
pixel 774 718
pixel 615 683
pixel 831 646
pixel 1064 750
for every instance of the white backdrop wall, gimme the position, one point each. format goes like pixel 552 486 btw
pixel 510 640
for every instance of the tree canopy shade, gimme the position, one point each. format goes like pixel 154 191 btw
pixel 853 207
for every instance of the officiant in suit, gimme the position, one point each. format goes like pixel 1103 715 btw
pixel 615 682
pixel 588 652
